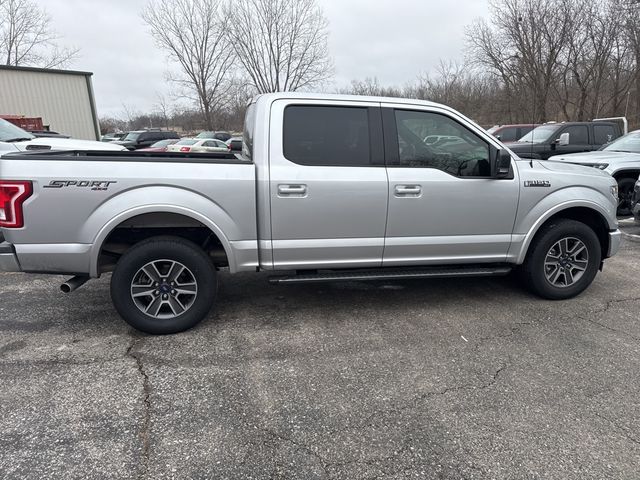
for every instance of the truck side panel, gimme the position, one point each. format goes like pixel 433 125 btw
pixel 75 204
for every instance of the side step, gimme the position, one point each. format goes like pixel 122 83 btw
pixel 394 274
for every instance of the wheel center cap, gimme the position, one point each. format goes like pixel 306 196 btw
pixel 165 288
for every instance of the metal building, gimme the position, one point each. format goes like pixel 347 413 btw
pixel 63 98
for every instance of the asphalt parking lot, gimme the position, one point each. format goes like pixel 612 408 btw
pixel 451 379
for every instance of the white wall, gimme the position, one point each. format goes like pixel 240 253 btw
pixel 62 100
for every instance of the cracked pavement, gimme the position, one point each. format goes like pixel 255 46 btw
pixel 449 379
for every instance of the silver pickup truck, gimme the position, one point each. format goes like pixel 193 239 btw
pixel 327 188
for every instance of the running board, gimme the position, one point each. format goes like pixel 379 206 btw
pixel 394 274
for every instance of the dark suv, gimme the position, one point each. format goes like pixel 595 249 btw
pixel 560 138
pixel 146 138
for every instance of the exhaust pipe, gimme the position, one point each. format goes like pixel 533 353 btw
pixel 73 283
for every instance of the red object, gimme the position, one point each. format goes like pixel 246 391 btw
pixel 185 149
pixel 30 124
pixel 13 193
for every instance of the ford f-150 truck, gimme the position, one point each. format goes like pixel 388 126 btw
pixel 327 188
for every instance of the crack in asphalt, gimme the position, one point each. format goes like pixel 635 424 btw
pixel 146 399
pixel 623 430
pixel 608 305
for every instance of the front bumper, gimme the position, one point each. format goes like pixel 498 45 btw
pixel 8 258
pixel 615 238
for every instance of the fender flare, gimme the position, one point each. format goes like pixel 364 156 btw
pixel 155 208
pixel 528 237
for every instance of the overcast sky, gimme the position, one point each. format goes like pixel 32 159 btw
pixel 393 40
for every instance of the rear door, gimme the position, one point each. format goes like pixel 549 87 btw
pixel 444 207
pixel 328 184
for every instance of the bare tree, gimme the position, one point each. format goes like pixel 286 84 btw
pixel 282 44
pixel 522 46
pixel 27 37
pixel 193 33
pixel 163 108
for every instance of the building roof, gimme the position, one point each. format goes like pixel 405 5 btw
pixel 45 70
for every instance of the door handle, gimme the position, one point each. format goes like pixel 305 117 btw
pixel 408 190
pixel 292 189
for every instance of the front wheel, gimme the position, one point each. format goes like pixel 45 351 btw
pixel 163 285
pixel 563 260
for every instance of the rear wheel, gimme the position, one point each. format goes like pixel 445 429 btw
pixel 625 196
pixel 563 260
pixel 163 285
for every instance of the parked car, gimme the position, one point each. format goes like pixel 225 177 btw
pixel 160 146
pixel 620 159
pixel 15 139
pixel 224 136
pixel 511 133
pixel 235 144
pixel 145 138
pixel 113 137
pixel 195 145
pixel 635 202
pixel 322 193
pixel 561 138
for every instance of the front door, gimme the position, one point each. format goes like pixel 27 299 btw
pixel 444 207
pixel 328 184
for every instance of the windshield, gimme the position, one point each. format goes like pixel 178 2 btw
pixel 10 133
pixel 540 134
pixel 164 143
pixel 205 135
pixel 188 141
pixel 133 136
pixel 628 143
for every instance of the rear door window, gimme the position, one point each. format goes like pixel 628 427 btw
pixel 604 134
pixel 326 135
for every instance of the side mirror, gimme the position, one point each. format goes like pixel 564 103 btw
pixel 501 164
pixel 499 137
pixel 563 140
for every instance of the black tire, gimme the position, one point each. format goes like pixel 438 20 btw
pixel 159 252
pixel 534 271
pixel 625 194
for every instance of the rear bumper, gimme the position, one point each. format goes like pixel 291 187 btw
pixel 615 237
pixel 8 258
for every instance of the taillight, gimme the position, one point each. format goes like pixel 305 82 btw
pixel 185 149
pixel 13 193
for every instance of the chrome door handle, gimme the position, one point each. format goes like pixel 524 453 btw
pixel 408 190
pixel 292 189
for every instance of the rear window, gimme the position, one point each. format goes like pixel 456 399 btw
pixel 326 136
pixel 187 142
pixel 249 125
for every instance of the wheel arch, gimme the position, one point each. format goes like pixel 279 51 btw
pixel 159 220
pixel 584 212
pixel 627 173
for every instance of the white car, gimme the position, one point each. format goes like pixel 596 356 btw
pixel 199 145
pixel 15 139
pixel 620 159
